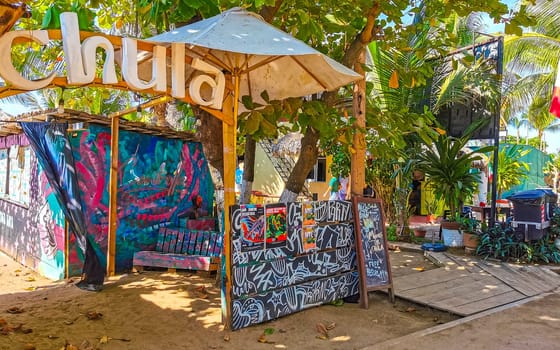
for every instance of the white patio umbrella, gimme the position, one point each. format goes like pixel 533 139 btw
pixel 260 55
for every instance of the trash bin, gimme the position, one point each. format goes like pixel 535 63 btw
pixel 532 211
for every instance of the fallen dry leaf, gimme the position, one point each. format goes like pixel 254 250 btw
pixel 322 337
pixel 30 279
pixel 29 347
pixel 31 288
pixel 93 315
pixel 3 322
pixel 262 339
pixel 419 269
pixel 14 310
pixel 331 326
pixel 6 330
pixel 410 309
pixel 104 339
pixel 69 346
pixel 86 345
pixel 321 328
pixel 227 338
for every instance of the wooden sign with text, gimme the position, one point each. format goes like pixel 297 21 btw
pixel 371 247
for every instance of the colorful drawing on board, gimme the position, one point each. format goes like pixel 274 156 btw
pixel 308 214
pixel 252 222
pixel 309 238
pixel 276 228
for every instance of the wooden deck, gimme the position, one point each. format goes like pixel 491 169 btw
pixel 466 286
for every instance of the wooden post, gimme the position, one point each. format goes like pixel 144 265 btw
pixel 229 134
pixel 66 250
pixel 358 158
pixel 113 178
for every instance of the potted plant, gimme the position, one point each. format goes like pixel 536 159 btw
pixel 433 207
pixel 447 165
pixel 470 227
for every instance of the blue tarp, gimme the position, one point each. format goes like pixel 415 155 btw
pixel 539 196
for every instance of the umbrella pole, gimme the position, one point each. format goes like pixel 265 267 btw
pixel 229 134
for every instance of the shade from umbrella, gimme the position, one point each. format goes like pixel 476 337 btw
pixel 263 57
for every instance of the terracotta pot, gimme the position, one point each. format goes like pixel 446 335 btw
pixel 419 233
pixel 432 218
pixel 450 225
pixel 470 240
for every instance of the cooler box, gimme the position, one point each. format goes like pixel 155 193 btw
pixel 531 211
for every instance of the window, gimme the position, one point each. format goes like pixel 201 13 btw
pixel 319 171
pixel 15 173
pixel 3 173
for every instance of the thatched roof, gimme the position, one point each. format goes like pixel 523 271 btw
pixel 9 125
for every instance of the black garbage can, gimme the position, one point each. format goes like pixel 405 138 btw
pixel 531 211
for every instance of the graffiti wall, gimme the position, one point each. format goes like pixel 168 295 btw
pixel 287 258
pixel 31 222
pixel 157 179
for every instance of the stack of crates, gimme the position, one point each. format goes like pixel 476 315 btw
pixel 532 211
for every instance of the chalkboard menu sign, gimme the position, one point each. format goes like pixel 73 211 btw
pixel 371 247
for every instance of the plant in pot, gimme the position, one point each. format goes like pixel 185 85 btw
pixel 433 207
pixel 470 227
pixel 448 168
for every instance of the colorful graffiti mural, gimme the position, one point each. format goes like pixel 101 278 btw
pixel 32 229
pixel 158 178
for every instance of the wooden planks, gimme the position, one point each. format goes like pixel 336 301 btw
pixel 468 286
pixel 528 280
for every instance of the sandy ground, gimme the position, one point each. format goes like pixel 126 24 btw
pixel 161 310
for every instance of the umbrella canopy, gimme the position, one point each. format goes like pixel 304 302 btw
pixel 262 56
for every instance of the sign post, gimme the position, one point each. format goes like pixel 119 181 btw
pixel 371 247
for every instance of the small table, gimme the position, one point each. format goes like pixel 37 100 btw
pixel 485 212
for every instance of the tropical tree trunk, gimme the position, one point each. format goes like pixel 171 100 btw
pixel 307 158
pixel 248 169
pixel 211 126
pixel 309 143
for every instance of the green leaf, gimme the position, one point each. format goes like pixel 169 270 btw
pixel 47 19
pixel 253 122
pixel 513 29
pixel 268 331
pixel 247 101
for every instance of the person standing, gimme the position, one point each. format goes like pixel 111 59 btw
pixel 332 190
pixel 344 184
pixel 239 177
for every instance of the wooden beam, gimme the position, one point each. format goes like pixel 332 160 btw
pixel 229 134
pixel 358 158
pixel 113 178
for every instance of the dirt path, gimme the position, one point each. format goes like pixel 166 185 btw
pixel 158 310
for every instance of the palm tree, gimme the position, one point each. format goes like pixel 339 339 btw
pixel 532 58
pixel 540 119
pixel 518 121
pixel 400 96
